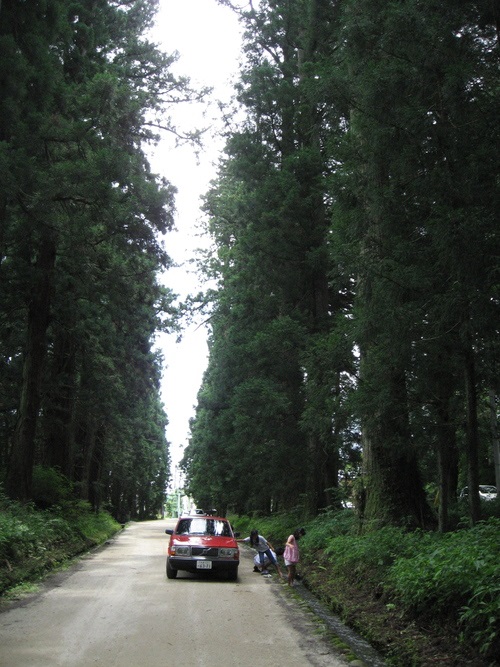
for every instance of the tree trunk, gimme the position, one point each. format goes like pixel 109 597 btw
pixel 60 402
pixel 472 437
pixel 95 470
pixel 447 449
pixel 447 468
pixel 394 489
pixel 495 441
pixel 92 464
pixel 20 470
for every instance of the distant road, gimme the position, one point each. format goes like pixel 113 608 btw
pixel 116 608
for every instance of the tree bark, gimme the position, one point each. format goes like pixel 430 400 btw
pixel 59 414
pixel 394 489
pixel 472 437
pixel 495 441
pixel 20 470
pixel 93 452
pixel 443 387
pixel 448 469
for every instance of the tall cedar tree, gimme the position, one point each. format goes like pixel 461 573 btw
pixel 381 117
pixel 274 308
pixel 423 194
pixel 81 216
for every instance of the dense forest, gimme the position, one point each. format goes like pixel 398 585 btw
pixel 353 299
pixel 83 92
pixel 353 311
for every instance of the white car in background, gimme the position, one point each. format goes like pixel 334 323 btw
pixel 486 492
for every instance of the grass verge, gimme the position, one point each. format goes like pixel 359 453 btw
pixel 34 542
pixel 421 599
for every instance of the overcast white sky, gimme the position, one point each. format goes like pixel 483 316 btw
pixel 207 38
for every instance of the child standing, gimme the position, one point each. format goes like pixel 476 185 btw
pixel 291 554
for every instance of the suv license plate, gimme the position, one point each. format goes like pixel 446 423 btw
pixel 204 565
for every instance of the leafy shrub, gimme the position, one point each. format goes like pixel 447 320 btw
pixel 50 487
pixel 447 567
pixel 369 556
pixel 328 525
pixel 33 541
pixel 21 531
pixel 242 524
pixel 455 571
pixel 481 618
pixel 454 575
pixel 96 528
pixel 11 531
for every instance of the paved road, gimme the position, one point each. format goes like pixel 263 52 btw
pixel 116 608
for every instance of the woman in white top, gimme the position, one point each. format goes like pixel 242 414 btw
pixel 263 548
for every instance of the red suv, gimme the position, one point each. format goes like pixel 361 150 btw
pixel 203 544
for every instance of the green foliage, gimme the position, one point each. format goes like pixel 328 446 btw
pixel 96 527
pixel 480 618
pixel 458 573
pixel 368 556
pixel 450 580
pixel 344 311
pixel 429 575
pixel 328 525
pixel 82 92
pixel 50 487
pixel 33 541
pixel 336 180
pixel 171 504
pixel 447 567
pixel 269 223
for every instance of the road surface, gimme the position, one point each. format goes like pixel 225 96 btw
pixel 116 608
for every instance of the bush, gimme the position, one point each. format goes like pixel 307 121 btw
pixel 453 577
pixel 481 619
pixel 33 541
pixel 368 557
pixel 96 527
pixel 328 525
pixel 22 532
pixel 455 572
pixel 50 487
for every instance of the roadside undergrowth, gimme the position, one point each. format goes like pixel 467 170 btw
pixel 34 542
pixel 420 599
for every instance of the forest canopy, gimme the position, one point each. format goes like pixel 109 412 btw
pixel 354 323
pixel 83 91
pixel 353 308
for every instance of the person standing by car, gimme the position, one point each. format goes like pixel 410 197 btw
pixel 291 554
pixel 264 549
